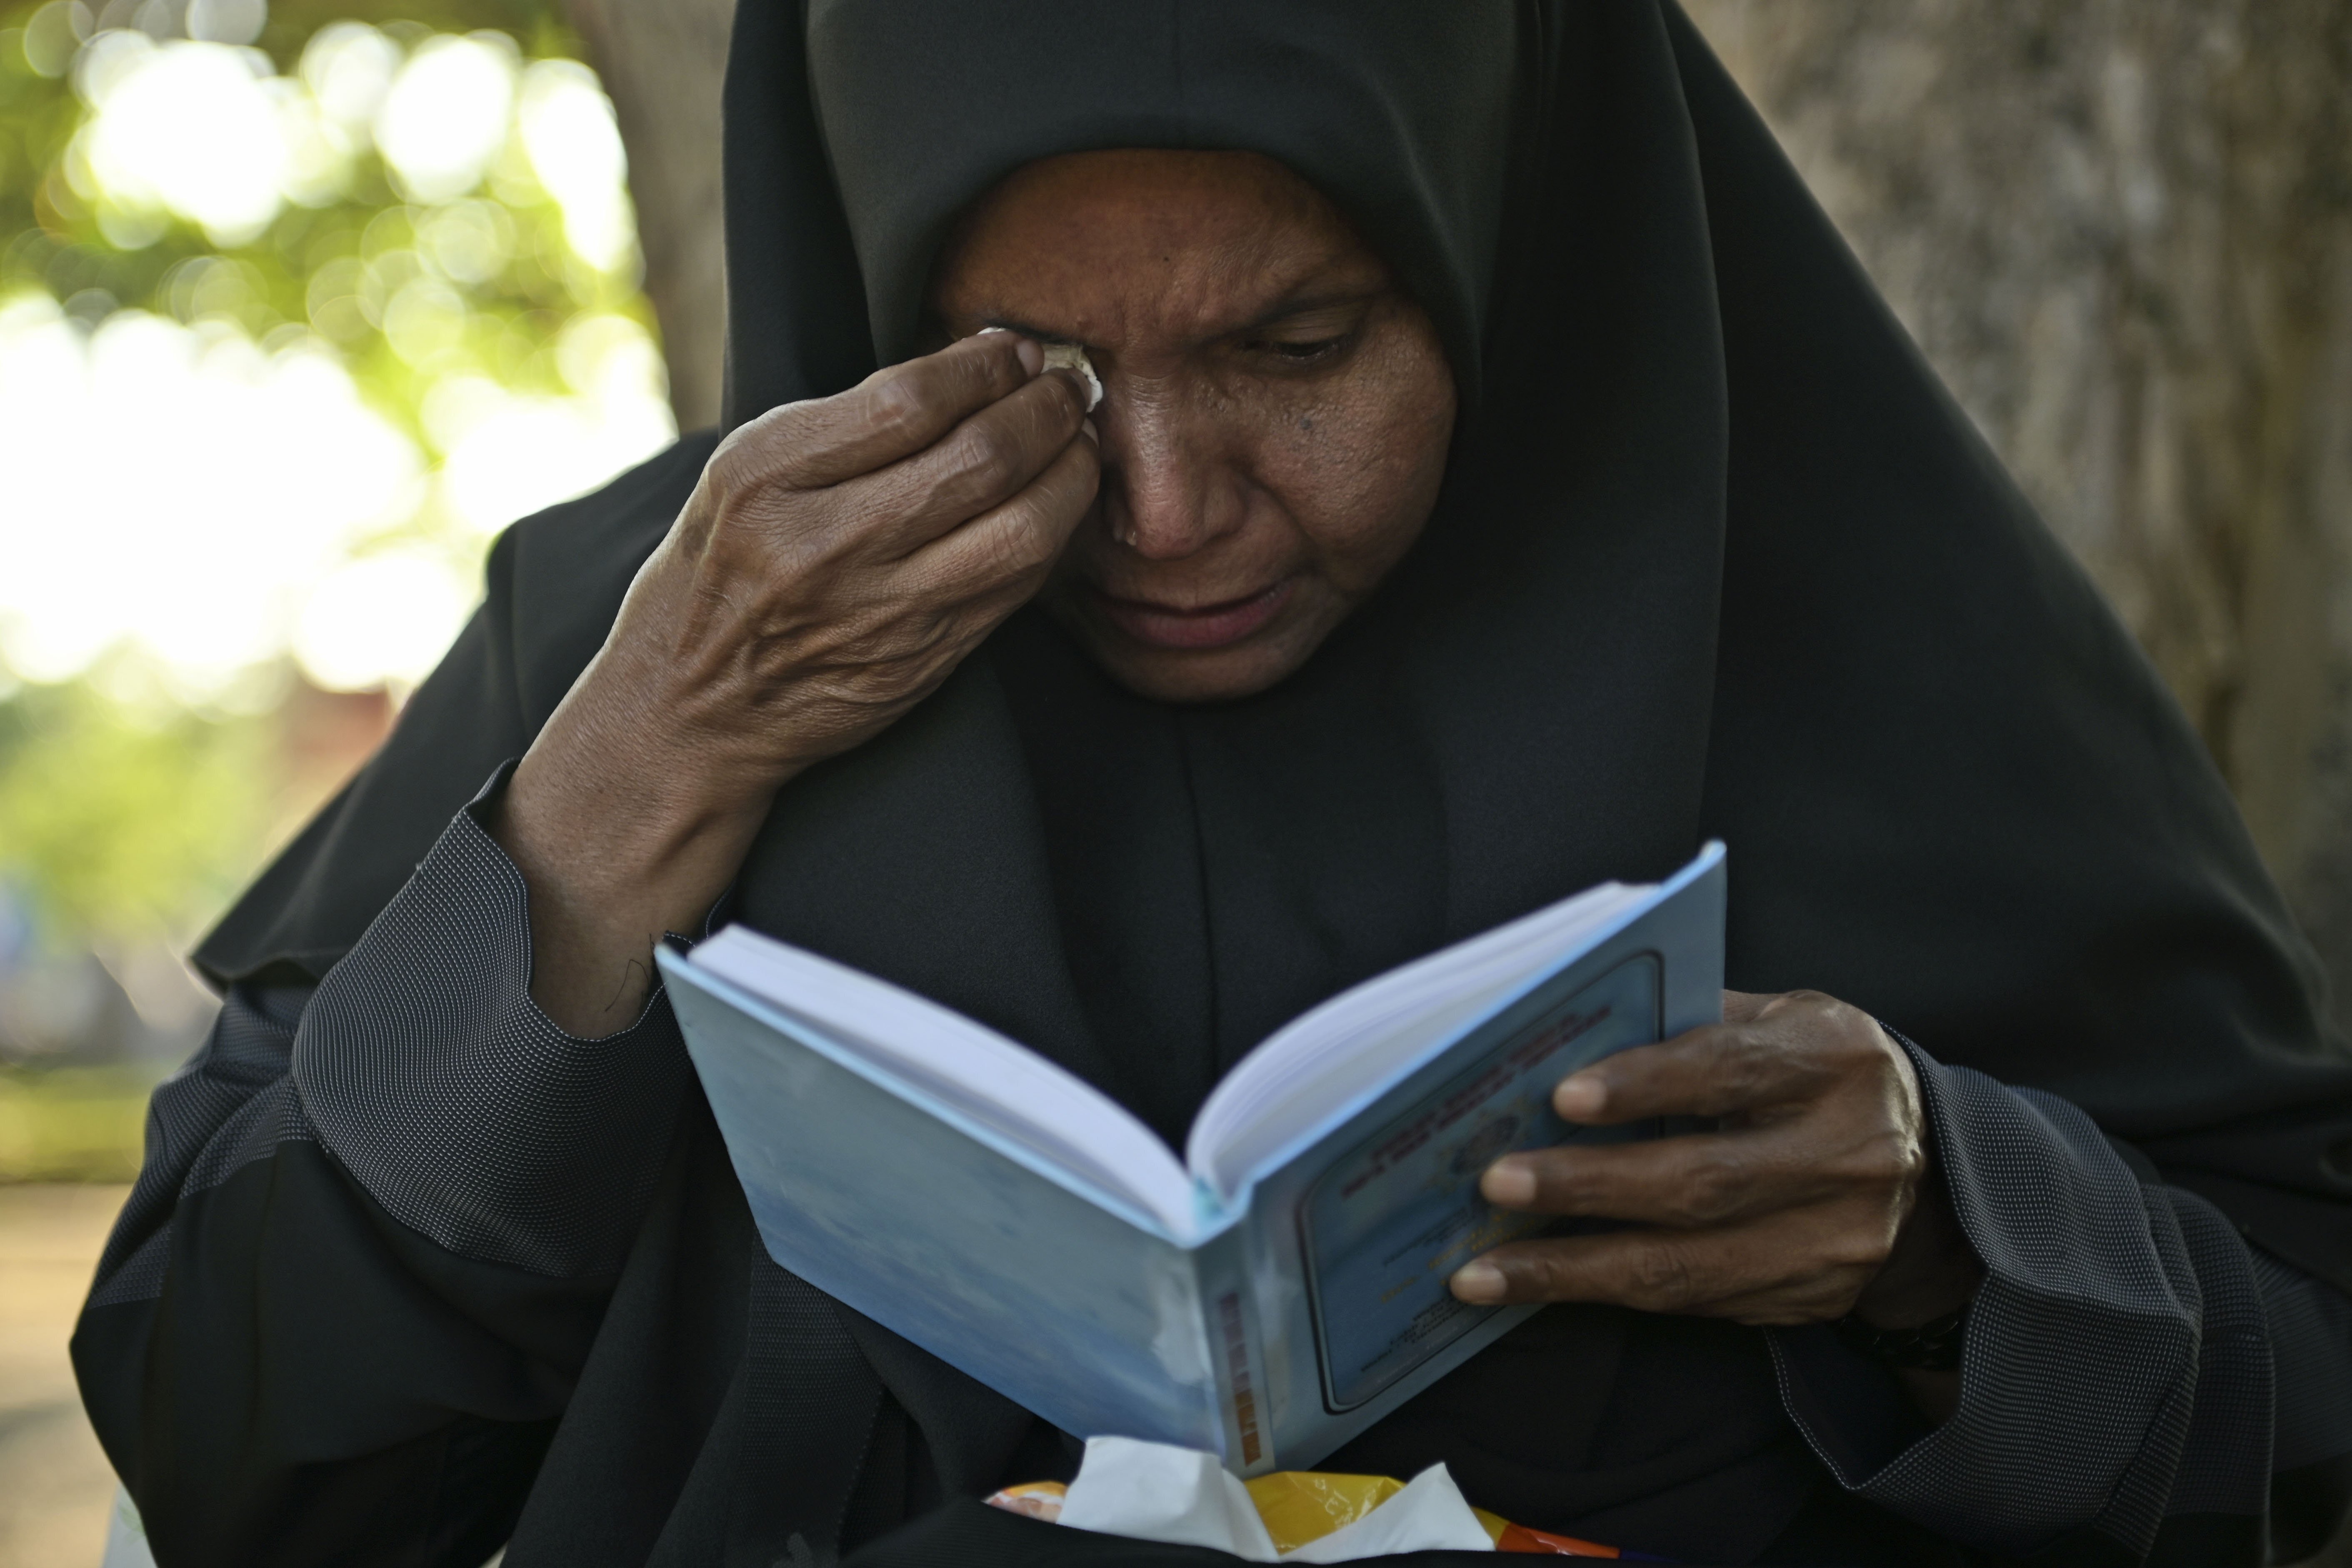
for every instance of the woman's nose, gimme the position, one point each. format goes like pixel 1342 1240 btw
pixel 1166 491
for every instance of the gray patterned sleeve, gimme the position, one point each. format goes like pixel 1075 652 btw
pixel 423 1067
pixel 461 1108
pixel 2132 1369
pixel 377 1228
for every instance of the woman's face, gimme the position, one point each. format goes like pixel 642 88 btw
pixel 1275 411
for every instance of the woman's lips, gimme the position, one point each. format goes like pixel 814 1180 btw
pixel 1211 626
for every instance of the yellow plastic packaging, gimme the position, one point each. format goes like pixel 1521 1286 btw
pixel 1033 1499
pixel 1300 1506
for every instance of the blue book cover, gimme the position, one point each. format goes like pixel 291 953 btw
pixel 1267 1295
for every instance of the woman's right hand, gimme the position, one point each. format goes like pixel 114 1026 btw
pixel 836 561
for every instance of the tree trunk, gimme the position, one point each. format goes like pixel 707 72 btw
pixel 662 62
pixel 2121 229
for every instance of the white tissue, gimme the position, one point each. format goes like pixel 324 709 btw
pixel 1066 356
pixel 1070 356
pixel 1155 1492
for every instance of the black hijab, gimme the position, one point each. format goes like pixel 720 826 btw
pixel 1716 556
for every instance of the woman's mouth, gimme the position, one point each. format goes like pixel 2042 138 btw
pixel 1210 626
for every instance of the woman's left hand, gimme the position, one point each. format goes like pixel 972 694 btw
pixel 1813 1198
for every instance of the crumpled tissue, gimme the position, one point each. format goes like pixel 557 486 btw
pixel 1156 1492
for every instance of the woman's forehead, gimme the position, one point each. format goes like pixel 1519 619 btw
pixel 1167 219
pixel 1169 248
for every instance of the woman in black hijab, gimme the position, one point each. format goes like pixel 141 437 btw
pixel 1586 505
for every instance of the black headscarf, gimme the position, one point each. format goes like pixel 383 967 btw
pixel 1716 556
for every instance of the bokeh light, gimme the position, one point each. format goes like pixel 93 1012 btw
pixel 446 116
pixel 348 68
pixel 179 489
pixel 396 609
pixel 190 127
pixel 302 444
pixel 297 311
pixel 574 143
pixel 506 452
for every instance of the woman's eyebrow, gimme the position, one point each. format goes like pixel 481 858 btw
pixel 1307 304
pixel 1296 305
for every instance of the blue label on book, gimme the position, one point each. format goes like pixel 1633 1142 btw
pixel 1389 1222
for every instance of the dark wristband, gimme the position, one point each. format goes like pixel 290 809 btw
pixel 1932 1346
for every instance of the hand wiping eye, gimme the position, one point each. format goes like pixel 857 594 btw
pixel 1070 356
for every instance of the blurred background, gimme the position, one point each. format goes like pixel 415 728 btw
pixel 300 304
pixel 302 300
pixel 298 308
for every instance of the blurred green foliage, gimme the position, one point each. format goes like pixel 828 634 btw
pixel 312 265
pixel 133 819
pixel 73 1124
pixel 129 821
pixel 128 818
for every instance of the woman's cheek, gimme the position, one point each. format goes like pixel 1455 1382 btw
pixel 1376 474
pixel 1314 455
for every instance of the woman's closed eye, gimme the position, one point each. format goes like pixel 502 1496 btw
pixel 1311 351
pixel 1317 335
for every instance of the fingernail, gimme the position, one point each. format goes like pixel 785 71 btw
pixel 1073 359
pixel 1509 1182
pixel 1033 356
pixel 1578 1098
pixel 1480 1282
pixel 1092 434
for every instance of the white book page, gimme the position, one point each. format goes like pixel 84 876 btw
pixel 1318 1061
pixel 997 1082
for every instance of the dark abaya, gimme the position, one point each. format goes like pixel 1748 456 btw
pixel 409 1270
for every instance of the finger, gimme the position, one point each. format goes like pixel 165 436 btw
pixel 894 412
pixel 1718 1070
pixel 1745 1006
pixel 1794 1269
pixel 1012 545
pixel 983 462
pixel 1707 1179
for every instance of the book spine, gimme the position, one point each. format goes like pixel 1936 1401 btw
pixel 1236 1341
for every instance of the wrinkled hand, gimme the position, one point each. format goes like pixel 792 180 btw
pixel 841 556
pixel 836 561
pixel 1814 1198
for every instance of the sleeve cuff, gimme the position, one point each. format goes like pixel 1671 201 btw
pixel 2080 1368
pixel 483 809
pixel 459 1105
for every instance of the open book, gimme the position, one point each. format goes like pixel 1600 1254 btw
pixel 1265 1296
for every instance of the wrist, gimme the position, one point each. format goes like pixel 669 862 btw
pixel 1930 1273
pixel 1932 1346
pixel 606 875
pixel 658 853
